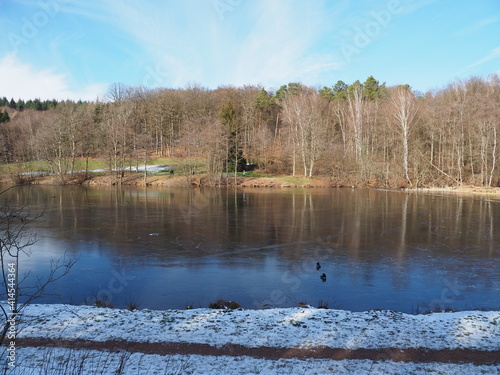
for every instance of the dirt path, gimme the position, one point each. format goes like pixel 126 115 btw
pixel 421 355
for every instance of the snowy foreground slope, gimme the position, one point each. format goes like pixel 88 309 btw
pixel 288 327
pixel 275 328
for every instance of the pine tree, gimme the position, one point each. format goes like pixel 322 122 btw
pixel 20 104
pixel 266 104
pixel 37 104
pixel 235 160
pixel 326 92
pixel 340 90
pixel 4 116
pixel 372 89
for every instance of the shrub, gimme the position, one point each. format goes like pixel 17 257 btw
pixel 223 304
pixel 322 304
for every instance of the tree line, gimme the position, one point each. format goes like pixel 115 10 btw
pixel 35 104
pixel 359 133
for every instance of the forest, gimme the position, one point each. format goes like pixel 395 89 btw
pixel 363 133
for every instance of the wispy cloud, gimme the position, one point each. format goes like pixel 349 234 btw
pixel 278 44
pixel 493 54
pixel 262 42
pixel 274 46
pixel 25 81
pixel 410 6
pixel 165 32
pixel 171 43
pixel 479 25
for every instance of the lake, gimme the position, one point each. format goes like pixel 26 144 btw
pixel 173 248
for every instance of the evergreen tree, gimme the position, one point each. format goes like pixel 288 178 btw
pixel 235 159
pixel 20 104
pixel 266 104
pixel 37 104
pixel 4 116
pixel 340 90
pixel 291 88
pixel 12 104
pixel 327 93
pixel 372 89
pixel 355 86
pixel 262 100
pixel 29 104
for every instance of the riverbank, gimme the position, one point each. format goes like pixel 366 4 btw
pixel 274 341
pixel 251 180
pixel 197 180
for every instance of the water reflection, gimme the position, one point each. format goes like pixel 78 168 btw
pixel 176 247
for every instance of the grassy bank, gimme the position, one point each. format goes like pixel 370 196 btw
pixel 185 173
pixel 193 173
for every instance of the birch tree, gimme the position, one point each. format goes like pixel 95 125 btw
pixel 303 114
pixel 356 108
pixel 405 110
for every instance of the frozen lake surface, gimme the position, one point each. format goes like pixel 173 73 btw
pixel 173 248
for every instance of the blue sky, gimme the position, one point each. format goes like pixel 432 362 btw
pixel 76 48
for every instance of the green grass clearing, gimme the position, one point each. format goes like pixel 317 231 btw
pixel 297 181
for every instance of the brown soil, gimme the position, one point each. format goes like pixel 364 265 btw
pixel 421 355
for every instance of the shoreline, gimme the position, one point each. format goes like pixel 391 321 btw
pixel 203 180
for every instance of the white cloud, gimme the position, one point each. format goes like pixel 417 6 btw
pixel 20 80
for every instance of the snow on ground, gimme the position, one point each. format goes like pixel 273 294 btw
pixel 135 168
pixel 35 361
pixel 285 327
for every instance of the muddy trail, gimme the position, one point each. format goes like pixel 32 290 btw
pixel 417 355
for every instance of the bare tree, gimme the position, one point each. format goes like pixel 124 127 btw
pixel 52 144
pixel 405 110
pixel 356 106
pixel 117 92
pixel 303 113
pixel 455 140
pixel 117 129
pixel 15 243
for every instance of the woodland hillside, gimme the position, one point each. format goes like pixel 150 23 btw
pixel 361 131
